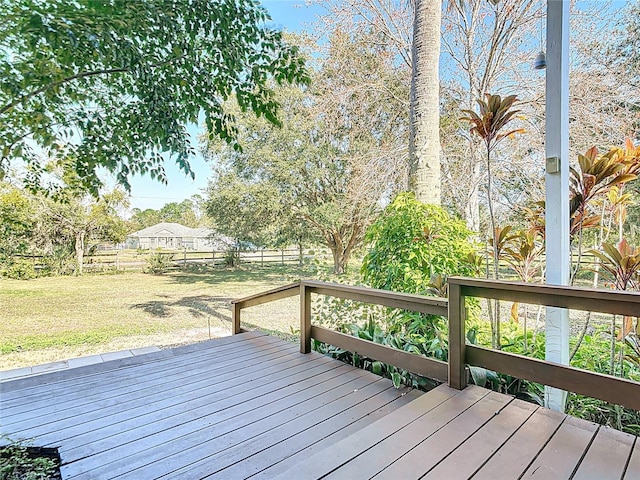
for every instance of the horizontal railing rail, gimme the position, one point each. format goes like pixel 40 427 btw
pixel 418 364
pixel 612 389
pixel 604 387
pixel 272 295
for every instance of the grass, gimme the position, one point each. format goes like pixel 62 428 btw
pixel 56 318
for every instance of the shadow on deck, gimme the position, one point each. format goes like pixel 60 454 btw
pixel 251 405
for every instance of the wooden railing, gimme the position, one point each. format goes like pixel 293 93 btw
pixel 615 390
pixel 604 387
pixel 417 364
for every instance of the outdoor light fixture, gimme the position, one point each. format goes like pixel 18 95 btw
pixel 540 62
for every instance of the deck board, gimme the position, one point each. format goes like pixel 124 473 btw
pixel 337 438
pixel 464 461
pixel 517 453
pixel 75 410
pixel 252 406
pixel 633 467
pixel 219 430
pixel 561 456
pixel 427 454
pixel 607 456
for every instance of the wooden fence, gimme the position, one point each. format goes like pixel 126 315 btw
pixel 133 260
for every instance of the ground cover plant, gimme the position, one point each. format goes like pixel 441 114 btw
pixel 21 461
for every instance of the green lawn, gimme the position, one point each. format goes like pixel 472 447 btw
pixel 55 318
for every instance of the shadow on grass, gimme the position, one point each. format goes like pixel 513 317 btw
pixel 245 273
pixel 198 306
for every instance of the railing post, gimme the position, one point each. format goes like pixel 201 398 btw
pixel 235 319
pixel 305 319
pixel 457 337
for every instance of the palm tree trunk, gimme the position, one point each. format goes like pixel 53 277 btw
pixel 424 134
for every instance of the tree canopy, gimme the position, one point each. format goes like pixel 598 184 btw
pixel 113 83
pixel 340 152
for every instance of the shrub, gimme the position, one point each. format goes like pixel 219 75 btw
pixel 158 262
pixel 19 269
pixel 18 461
pixel 412 242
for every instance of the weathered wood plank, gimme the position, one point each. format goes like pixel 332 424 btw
pixel 428 453
pixel 116 377
pixel 512 459
pixel 562 454
pixel 633 468
pixel 387 298
pixel 294 444
pixel 338 437
pixel 46 382
pixel 182 445
pixel 272 295
pixel 619 391
pixel 96 400
pixel 358 400
pixel 473 453
pixel 145 416
pixel 392 448
pixel 576 298
pixel 607 456
pixel 342 452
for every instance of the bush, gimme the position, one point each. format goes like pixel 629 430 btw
pixel 19 269
pixel 412 242
pixel 158 262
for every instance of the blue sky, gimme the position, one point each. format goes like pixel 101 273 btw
pixel 292 15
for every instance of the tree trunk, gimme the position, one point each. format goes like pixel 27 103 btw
pixel 424 134
pixel 340 260
pixel 472 207
pixel 79 247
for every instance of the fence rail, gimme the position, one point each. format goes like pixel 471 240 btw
pixel 131 259
pixel 604 387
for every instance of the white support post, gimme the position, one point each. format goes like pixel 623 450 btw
pixel 557 186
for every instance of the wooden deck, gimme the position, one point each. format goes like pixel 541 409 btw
pixel 251 405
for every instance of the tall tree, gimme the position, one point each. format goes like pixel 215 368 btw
pixel 113 84
pixel 341 149
pixel 79 220
pixel 424 138
pixel 411 30
pixel 483 47
pixel 17 222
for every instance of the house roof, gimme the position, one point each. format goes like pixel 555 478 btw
pixel 166 229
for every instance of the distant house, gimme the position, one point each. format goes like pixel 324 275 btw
pixel 173 236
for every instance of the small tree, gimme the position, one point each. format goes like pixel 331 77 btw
pixel 411 243
pixel 494 115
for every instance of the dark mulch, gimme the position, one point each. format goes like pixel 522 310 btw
pixel 19 462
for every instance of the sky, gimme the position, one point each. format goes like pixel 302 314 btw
pixel 291 15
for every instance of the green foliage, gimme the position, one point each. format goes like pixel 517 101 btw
pixel 114 84
pixel 411 242
pixel 185 213
pixel 373 332
pixel 246 212
pixel 17 222
pixel 21 462
pixel 158 262
pixel 19 269
pixel 320 176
